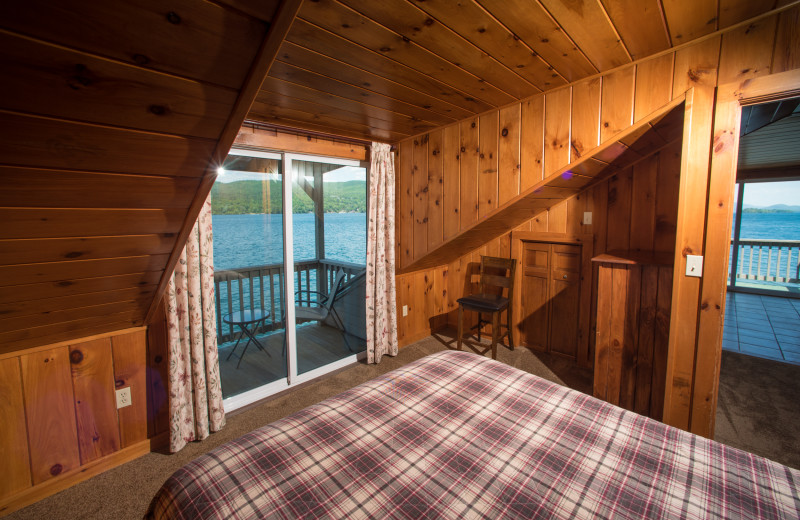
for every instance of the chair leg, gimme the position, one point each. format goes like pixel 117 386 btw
pixel 495 332
pixel 480 319
pixel 508 328
pixel 460 326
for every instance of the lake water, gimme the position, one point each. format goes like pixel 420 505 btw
pixel 249 240
pixel 772 226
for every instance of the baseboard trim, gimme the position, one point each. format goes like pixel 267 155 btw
pixel 45 489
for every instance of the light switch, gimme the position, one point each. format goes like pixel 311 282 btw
pixel 405 310
pixel 587 218
pixel 694 265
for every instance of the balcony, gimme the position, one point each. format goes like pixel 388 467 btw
pixel 765 267
pixel 262 287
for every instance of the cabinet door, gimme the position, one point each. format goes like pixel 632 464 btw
pixel 564 299
pixel 533 300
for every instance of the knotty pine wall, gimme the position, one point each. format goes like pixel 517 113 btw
pixel 448 178
pixel 59 423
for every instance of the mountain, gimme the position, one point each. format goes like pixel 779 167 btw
pixel 775 208
pixel 244 197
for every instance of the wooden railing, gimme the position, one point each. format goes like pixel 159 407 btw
pixel 262 287
pixel 767 260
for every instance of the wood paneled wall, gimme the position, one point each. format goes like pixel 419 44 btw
pixel 552 129
pixel 59 422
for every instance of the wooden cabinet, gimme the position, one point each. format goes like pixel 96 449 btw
pixel 634 297
pixel 550 297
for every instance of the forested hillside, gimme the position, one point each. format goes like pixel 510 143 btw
pixel 243 197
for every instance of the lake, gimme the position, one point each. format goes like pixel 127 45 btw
pixel 249 240
pixel 770 226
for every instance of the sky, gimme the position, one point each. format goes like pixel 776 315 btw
pixel 762 194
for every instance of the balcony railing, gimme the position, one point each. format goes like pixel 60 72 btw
pixel 262 287
pixel 775 261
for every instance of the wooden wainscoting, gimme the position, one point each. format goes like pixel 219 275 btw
pixel 59 422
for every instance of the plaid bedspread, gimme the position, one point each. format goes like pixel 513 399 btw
pixel 456 435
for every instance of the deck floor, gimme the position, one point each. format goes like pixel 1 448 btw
pixel 318 345
pixel 763 326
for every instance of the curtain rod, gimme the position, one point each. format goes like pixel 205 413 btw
pixel 299 131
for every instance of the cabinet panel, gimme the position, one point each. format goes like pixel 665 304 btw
pixel 534 323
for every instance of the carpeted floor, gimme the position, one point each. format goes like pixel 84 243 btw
pixel 125 492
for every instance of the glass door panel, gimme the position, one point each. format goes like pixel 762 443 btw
pixel 247 220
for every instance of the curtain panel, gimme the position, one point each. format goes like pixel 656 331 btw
pixel 381 292
pixel 195 391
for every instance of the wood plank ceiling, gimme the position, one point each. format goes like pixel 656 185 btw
pixel 391 69
pixel 114 113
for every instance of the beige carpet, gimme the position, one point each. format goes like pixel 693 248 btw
pixel 125 492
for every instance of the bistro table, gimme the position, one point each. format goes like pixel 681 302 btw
pixel 248 321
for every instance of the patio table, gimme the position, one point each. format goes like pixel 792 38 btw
pixel 248 321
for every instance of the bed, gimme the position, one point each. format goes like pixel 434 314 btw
pixel 456 435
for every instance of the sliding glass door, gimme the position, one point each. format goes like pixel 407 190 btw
pixel 276 326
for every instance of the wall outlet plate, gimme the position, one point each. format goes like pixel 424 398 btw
pixel 587 218
pixel 124 397
pixel 405 310
pixel 694 265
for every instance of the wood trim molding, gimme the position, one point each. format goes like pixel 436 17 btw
pixel 284 17
pixel 716 247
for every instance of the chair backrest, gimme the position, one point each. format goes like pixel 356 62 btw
pixel 497 274
pixel 335 288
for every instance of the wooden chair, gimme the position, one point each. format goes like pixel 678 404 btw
pixel 491 300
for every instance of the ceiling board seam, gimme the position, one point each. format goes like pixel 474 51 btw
pixel 616 32
pixel 89 172
pixel 278 94
pixel 108 127
pixel 372 74
pixel 21 286
pixel 390 111
pixel 319 128
pixel 109 59
pixel 368 127
pixel 433 78
pixel 501 64
pixel 569 38
pixel 520 40
pixel 664 21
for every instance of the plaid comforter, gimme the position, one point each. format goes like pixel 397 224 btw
pixel 456 435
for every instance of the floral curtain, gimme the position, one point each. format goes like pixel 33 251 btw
pixel 381 309
pixel 195 392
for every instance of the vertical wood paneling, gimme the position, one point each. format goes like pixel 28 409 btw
pixel 422 301
pixel 557 218
pixel 469 172
pixel 157 348
pixel 452 200
pixel 13 432
pixel 747 51
pixel 435 225
pixel 661 342
pixel 787 42
pixel 696 65
pixel 557 116
pixel 605 291
pixel 404 291
pixel 690 20
pixel 585 116
pixel 487 164
pixel 617 111
pixel 643 204
pixel 509 155
pixel 130 370
pixel 646 339
pixel 531 142
pixel 669 172
pixel 619 298
pixel 420 189
pixel 405 204
pixel 50 410
pixel 653 85
pixel 95 404
pixel 630 345
pixel 619 211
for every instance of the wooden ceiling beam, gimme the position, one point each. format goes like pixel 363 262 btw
pixel 281 23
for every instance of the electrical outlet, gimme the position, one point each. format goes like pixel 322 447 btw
pixel 587 218
pixel 405 310
pixel 124 397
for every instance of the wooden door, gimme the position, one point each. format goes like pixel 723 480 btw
pixel 565 285
pixel 533 298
